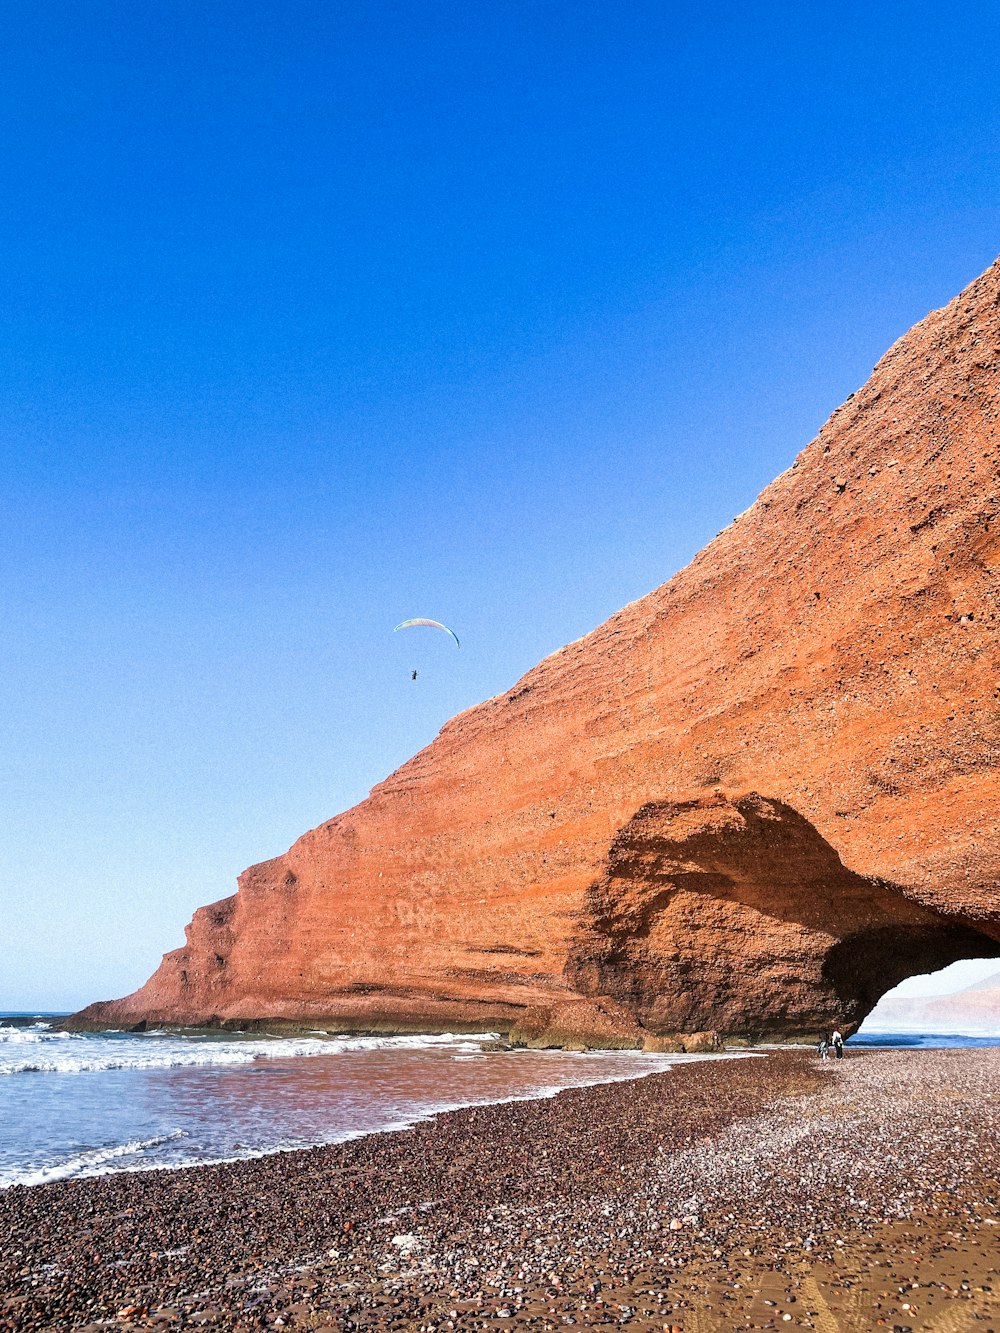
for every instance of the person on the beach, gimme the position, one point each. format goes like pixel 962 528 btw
pixel 824 1048
pixel 838 1044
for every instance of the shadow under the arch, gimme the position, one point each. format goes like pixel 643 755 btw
pixel 737 915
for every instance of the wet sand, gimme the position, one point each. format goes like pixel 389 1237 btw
pixel 772 1192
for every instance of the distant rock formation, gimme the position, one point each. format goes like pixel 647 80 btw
pixel 749 803
pixel 974 1011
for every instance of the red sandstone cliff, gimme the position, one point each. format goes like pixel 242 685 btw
pixel 754 800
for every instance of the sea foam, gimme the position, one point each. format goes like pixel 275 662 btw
pixel 95 1163
pixel 33 1051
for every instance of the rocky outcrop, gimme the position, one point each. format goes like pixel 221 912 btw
pixel 738 915
pixel 751 802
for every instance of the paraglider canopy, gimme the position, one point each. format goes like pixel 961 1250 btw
pixel 430 624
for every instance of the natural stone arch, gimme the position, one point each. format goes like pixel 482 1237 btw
pixel 736 914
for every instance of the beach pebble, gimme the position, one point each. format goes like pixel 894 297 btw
pixel 733 1171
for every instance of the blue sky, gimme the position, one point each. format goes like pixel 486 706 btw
pixel 316 316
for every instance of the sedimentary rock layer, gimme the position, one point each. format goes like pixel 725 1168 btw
pixel 753 800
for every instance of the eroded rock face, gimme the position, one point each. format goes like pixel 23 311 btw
pixel 583 858
pixel 738 915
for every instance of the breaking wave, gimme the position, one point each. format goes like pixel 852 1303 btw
pixel 38 1051
pixel 98 1162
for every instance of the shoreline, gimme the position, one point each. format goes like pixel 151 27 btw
pixel 43 1176
pixel 671 1200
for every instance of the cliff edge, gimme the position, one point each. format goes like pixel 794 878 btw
pixel 752 801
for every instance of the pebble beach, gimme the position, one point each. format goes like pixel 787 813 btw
pixel 772 1191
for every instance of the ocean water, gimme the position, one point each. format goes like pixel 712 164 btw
pixel 75 1104
pixel 926 1040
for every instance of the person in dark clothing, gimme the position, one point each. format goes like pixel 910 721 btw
pixel 824 1048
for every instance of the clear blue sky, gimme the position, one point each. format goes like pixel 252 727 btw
pixel 314 316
